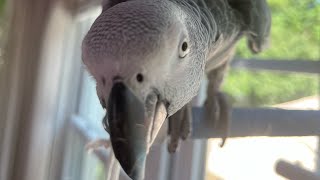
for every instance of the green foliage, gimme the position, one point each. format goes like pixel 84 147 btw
pixel 2 2
pixel 295 34
pixel 100 172
pixel 2 30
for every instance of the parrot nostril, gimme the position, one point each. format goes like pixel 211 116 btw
pixel 139 77
pixel 103 103
pixel 103 81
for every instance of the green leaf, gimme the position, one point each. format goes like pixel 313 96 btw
pixel 294 35
pixel 2 3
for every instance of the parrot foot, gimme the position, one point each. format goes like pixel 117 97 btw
pixel 218 110
pixel 179 127
pixel 95 144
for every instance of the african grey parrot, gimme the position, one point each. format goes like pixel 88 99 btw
pixel 148 58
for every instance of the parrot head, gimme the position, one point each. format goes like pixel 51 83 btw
pixel 147 65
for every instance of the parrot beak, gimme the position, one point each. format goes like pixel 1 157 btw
pixel 133 128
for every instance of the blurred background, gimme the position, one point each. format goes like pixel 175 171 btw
pixel 295 35
pixel 49 110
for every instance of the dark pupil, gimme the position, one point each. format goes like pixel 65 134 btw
pixel 139 77
pixel 184 46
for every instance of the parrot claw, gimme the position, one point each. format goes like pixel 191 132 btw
pixel 218 110
pixel 179 127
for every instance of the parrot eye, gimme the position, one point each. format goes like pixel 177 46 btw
pixel 184 46
pixel 139 77
pixel 184 49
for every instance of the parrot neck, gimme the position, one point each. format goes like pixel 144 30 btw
pixel 200 28
pixel 224 28
pixel 216 24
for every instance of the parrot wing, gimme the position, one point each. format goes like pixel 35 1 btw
pixel 256 17
pixel 106 4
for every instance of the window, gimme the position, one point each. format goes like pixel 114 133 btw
pixel 294 41
pixel 84 124
pixel 72 116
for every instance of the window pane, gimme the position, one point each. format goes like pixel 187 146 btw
pixel 93 168
pixel 255 157
pixel 89 106
pixel 294 36
pixel 265 88
pixel 86 122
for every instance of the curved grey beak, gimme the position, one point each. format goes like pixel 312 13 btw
pixel 133 127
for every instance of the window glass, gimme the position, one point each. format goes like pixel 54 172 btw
pixel 86 121
pixel 294 36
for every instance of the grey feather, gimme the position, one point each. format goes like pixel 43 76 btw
pixel 172 44
pixel 212 26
